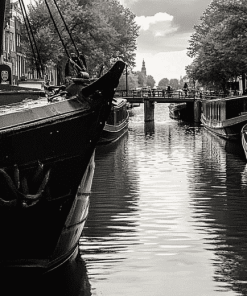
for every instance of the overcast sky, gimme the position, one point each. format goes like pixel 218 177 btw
pixel 166 27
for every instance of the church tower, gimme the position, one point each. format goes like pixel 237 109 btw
pixel 143 70
pixel 144 73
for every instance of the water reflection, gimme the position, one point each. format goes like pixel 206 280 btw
pixel 149 128
pixel 167 213
pixel 70 279
pixel 113 205
pixel 220 206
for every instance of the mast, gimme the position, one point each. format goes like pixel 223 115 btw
pixel 2 13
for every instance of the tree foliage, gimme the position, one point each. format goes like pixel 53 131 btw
pixel 219 43
pixel 103 30
pixel 163 83
pixel 150 81
pixel 174 83
pixel 140 78
pixel 132 82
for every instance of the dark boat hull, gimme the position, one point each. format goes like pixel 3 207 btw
pixel 177 111
pixel 46 172
pixel 45 235
pixel 113 133
pixel 230 132
pixel 225 117
pixel 117 124
pixel 69 279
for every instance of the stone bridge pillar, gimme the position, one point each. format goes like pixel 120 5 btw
pixel 148 110
pixel 194 111
pixel 197 111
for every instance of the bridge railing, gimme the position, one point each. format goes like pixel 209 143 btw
pixel 155 93
pixel 176 94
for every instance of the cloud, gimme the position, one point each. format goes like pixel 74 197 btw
pixel 159 40
pixel 145 22
pixel 127 2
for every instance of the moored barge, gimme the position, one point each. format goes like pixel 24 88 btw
pixel 225 116
pixel 46 167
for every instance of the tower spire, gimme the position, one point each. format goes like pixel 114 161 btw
pixel 144 71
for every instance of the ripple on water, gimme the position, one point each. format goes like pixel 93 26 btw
pixel 168 199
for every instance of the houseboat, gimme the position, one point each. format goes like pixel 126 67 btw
pixel 117 122
pixel 225 116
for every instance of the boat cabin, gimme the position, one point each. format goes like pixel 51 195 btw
pixel 222 109
pixel 118 112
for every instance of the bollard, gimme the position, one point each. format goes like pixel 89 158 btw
pixel 148 110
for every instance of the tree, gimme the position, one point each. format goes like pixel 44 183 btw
pixel 150 81
pixel 47 43
pixel 132 81
pixel 218 45
pixel 163 83
pixel 123 22
pixel 174 83
pixel 103 30
pixel 141 78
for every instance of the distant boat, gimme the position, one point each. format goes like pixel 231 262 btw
pixel 132 105
pixel 117 122
pixel 47 165
pixel 177 110
pixel 225 116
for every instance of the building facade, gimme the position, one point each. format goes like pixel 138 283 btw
pixel 12 53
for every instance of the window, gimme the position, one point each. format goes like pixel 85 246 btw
pixel 11 41
pixel 18 39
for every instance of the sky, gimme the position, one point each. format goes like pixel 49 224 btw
pixel 165 29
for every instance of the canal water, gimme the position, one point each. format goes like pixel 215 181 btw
pixel 168 213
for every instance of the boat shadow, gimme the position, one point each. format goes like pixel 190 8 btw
pixel 69 279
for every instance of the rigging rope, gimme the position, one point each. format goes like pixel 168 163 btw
pixel 56 28
pixel 60 37
pixel 83 62
pixel 29 30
